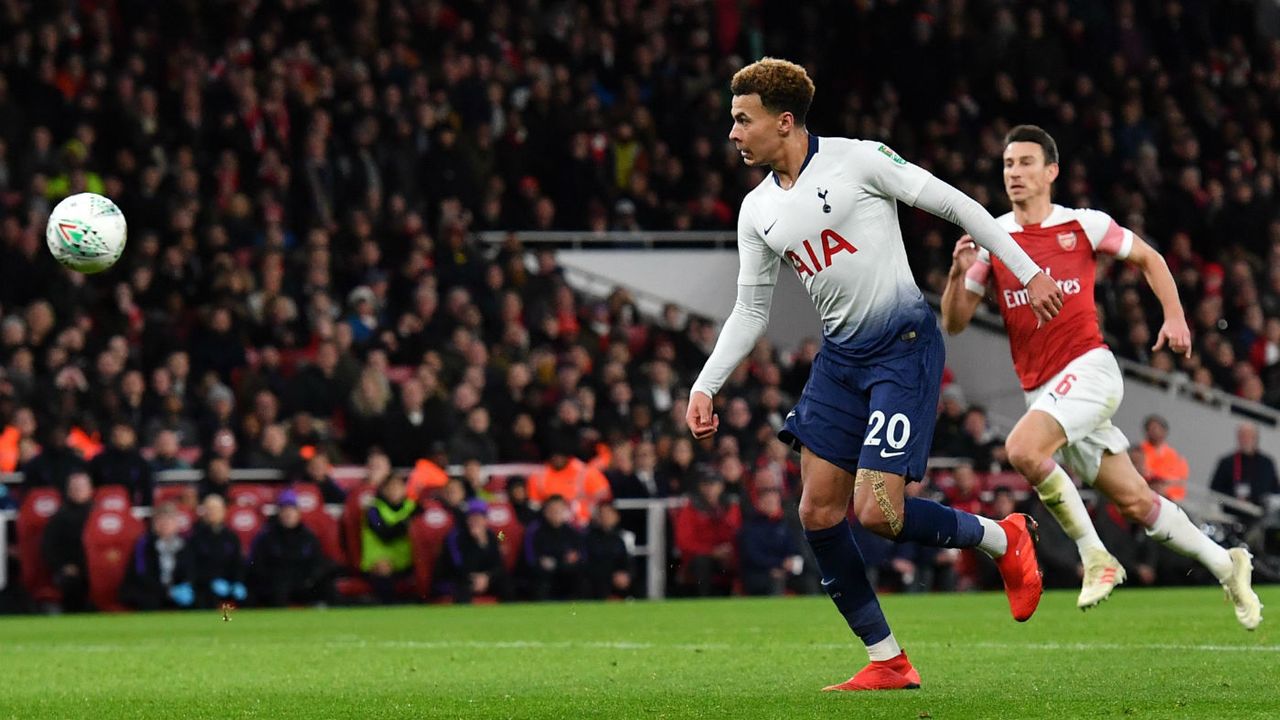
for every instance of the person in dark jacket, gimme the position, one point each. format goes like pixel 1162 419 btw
pixel 1247 473
pixel 55 463
pixel 216 554
pixel 63 544
pixel 608 562
pixel 121 464
pixel 385 549
pixel 318 473
pixel 287 564
pixel 553 554
pixel 161 571
pixel 768 551
pixel 217 479
pixel 518 496
pixel 470 561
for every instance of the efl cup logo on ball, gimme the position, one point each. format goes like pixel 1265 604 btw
pixel 86 233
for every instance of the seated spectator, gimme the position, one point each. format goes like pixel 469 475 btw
pixel 216 556
pixel 122 464
pixel 471 561
pixel 274 451
pixel 475 440
pixel 477 482
pixel 1167 470
pixel 165 451
pixel 1247 474
pixel 608 562
pixel 963 493
pixel 574 481
pixel 949 439
pixel 982 446
pixel 706 530
pixel 769 549
pixel 386 554
pixel 553 554
pixel 217 479
pixel 55 462
pixel 63 544
pixel 161 571
pixel 518 496
pixel 454 498
pixel 319 472
pixel 287 564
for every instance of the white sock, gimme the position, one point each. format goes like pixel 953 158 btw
pixel 994 542
pixel 886 649
pixel 1061 498
pixel 1171 527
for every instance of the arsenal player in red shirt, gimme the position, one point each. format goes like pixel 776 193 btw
pixel 1071 380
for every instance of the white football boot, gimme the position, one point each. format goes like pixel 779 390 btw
pixel 1239 588
pixel 1102 573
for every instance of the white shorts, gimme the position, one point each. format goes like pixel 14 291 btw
pixel 1082 398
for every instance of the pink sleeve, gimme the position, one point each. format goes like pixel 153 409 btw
pixel 975 280
pixel 1116 241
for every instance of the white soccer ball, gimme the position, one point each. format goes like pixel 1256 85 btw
pixel 86 232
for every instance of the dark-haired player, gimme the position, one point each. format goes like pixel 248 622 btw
pixel 865 420
pixel 1072 383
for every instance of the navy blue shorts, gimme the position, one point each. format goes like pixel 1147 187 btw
pixel 877 415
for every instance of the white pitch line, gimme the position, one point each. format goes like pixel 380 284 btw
pixel 352 643
pixel 622 645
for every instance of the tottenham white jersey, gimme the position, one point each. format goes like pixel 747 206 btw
pixel 837 229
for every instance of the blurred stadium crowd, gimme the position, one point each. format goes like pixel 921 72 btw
pixel 304 182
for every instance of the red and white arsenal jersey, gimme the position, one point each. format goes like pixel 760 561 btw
pixel 1064 246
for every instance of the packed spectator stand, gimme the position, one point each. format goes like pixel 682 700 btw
pixel 304 291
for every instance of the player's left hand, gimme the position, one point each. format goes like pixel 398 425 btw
pixel 1176 335
pixel 1045 297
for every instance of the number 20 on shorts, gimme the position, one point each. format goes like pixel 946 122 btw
pixel 897 431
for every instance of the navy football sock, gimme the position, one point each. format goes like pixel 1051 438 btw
pixel 844 577
pixel 929 523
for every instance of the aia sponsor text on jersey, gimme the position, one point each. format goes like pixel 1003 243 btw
pixel 831 244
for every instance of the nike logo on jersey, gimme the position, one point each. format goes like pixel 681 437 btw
pixel 766 230
pixel 887 454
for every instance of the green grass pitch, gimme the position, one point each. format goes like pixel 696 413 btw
pixel 1143 654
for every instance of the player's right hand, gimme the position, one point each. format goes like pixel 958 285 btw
pixel 964 255
pixel 1045 297
pixel 701 418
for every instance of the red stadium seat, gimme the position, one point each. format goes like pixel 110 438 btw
pixel 180 494
pixel 502 519
pixel 352 521
pixel 186 519
pixel 1011 480
pixel 253 494
pixel 326 530
pixel 246 522
pixel 38 506
pixel 427 533
pixel 109 538
pixel 310 499
pixel 112 498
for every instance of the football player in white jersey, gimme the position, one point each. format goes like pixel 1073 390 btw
pixel 1071 380
pixel 864 422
